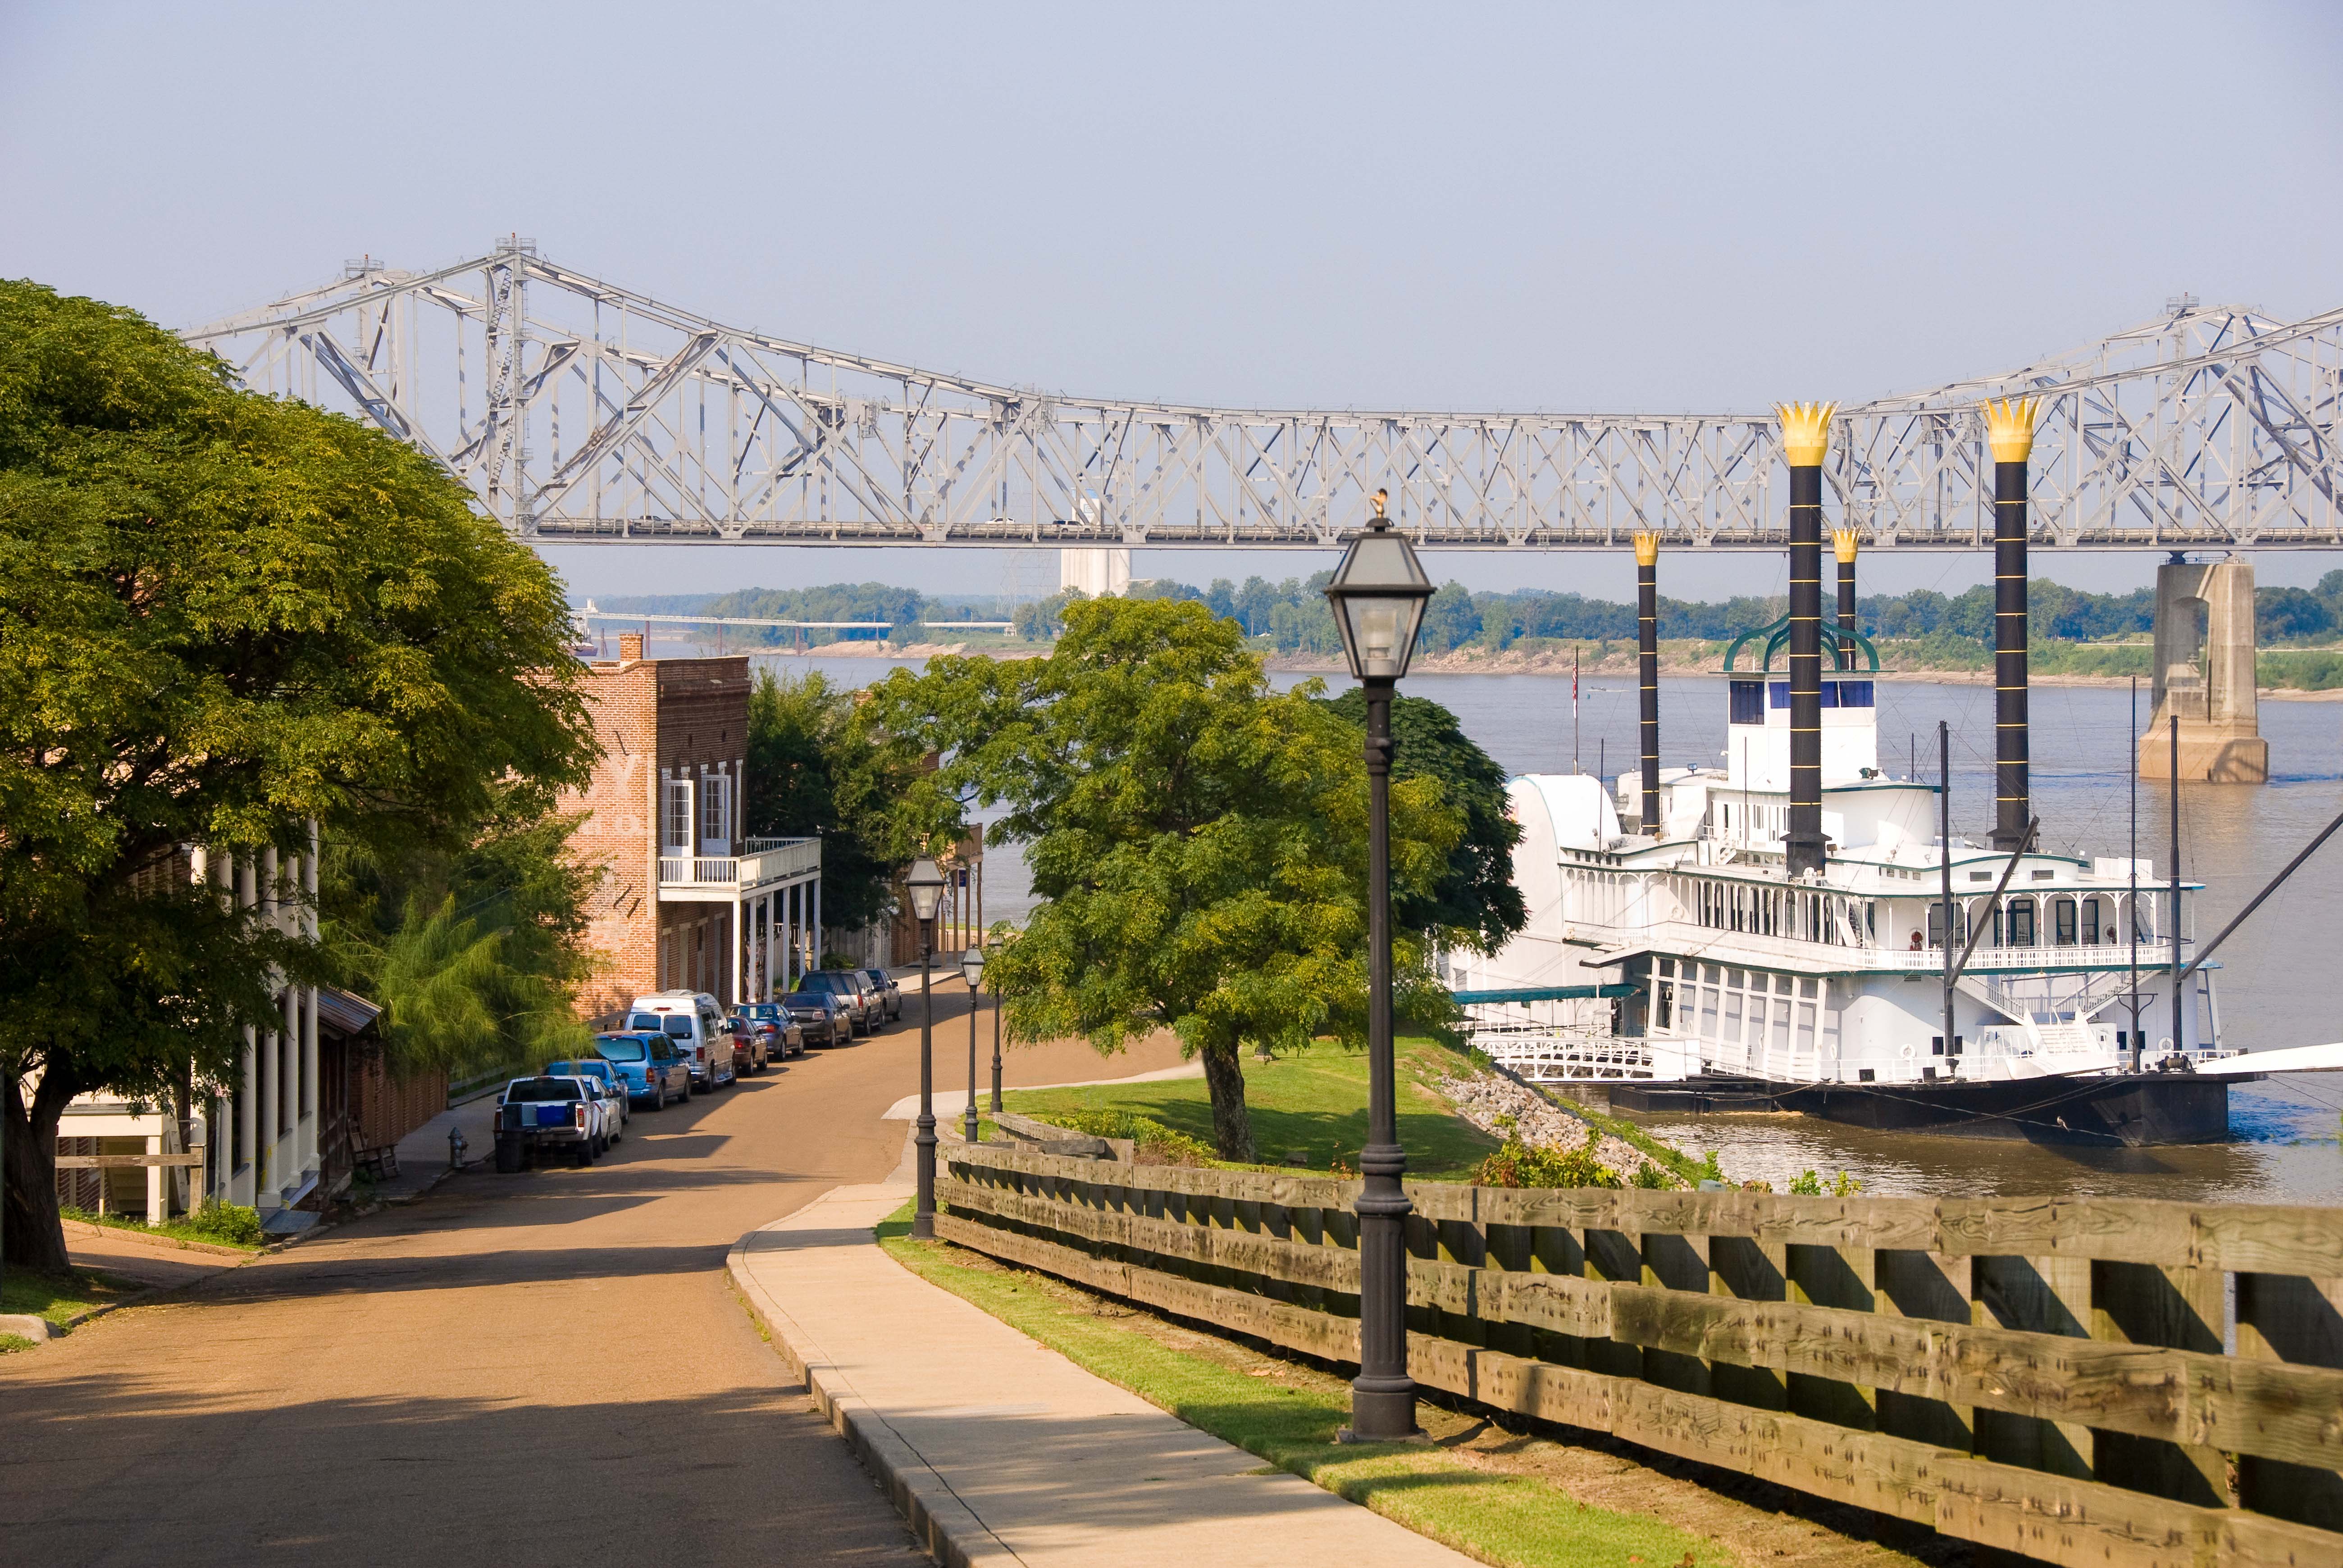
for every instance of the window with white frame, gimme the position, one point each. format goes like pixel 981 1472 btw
pixel 716 814
pixel 675 817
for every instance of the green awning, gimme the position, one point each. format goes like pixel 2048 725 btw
pixel 1547 993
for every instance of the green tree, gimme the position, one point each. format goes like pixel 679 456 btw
pixel 474 956
pixel 1474 900
pixel 1041 620
pixel 224 616
pixel 1198 842
pixel 820 765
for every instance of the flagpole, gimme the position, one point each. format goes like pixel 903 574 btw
pixel 1573 710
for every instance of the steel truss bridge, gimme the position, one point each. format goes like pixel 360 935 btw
pixel 579 412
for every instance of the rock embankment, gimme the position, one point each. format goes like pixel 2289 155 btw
pixel 1487 1098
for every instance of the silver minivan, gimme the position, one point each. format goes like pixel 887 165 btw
pixel 702 1034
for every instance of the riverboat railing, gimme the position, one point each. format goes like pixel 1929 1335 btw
pixel 1723 945
pixel 2096 1381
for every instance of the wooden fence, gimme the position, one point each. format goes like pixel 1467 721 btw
pixel 2092 1380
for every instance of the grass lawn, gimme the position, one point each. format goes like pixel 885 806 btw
pixel 1314 1100
pixel 59 1298
pixel 1287 1414
pixel 178 1230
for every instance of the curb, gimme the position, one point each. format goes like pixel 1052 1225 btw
pixel 942 1521
pixel 142 1239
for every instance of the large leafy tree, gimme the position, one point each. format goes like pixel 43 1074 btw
pixel 1198 842
pixel 820 763
pixel 222 615
pixel 1474 900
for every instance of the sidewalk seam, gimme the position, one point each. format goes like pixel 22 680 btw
pixel 939 1517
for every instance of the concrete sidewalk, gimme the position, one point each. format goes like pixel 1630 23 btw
pixel 423 1153
pixel 1000 1452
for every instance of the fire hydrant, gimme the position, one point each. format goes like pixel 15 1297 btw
pixel 456 1147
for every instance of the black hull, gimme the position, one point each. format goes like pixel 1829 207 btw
pixel 2128 1111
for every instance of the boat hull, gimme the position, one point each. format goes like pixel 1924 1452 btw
pixel 2126 1110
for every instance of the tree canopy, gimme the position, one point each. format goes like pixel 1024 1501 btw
pixel 820 763
pixel 222 615
pixel 1198 842
pixel 1474 900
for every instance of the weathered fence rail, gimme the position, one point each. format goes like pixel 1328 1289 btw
pixel 2091 1381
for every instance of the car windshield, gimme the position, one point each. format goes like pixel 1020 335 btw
pixel 529 1089
pixel 876 978
pixel 620 1048
pixel 645 1020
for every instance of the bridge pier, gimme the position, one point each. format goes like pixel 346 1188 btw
pixel 2204 674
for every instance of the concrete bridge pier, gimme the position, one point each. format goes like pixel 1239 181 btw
pixel 1098 573
pixel 2204 675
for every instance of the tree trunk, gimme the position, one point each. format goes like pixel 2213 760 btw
pixel 36 1236
pixel 1232 1123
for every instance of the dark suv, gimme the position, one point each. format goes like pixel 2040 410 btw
pixel 890 995
pixel 864 1011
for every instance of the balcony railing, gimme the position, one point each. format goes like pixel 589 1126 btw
pixel 1720 945
pixel 763 860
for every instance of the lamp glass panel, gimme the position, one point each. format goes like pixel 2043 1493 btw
pixel 972 965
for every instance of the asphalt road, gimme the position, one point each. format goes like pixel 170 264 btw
pixel 542 1368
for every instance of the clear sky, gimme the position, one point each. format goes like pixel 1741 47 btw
pixel 1560 207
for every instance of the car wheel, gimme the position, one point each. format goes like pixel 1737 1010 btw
pixel 658 1098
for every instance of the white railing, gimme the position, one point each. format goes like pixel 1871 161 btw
pixel 770 861
pixel 1543 1053
pixel 1717 944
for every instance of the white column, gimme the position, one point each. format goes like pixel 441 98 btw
pixel 156 1208
pixel 735 939
pixel 247 1113
pixel 814 957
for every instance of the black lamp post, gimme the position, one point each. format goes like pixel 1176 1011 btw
pixel 927 888
pixel 1378 595
pixel 996 1057
pixel 972 969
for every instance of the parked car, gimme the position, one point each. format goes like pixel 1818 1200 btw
pixel 889 994
pixel 538 1117
pixel 610 1088
pixel 692 1020
pixel 770 1022
pixel 820 1018
pixel 863 1013
pixel 655 1074
pixel 750 1050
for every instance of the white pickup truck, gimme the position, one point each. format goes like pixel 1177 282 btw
pixel 537 1116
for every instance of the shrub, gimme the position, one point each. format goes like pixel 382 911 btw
pixel 1520 1164
pixel 1810 1185
pixel 230 1223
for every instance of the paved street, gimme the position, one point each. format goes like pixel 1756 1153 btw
pixel 542 1368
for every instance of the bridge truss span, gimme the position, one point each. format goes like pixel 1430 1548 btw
pixel 579 412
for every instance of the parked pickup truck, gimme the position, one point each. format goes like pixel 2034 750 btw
pixel 538 1117
pixel 654 1073
pixel 610 1086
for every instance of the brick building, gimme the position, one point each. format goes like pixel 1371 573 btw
pixel 686 900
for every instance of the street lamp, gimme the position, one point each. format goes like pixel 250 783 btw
pixel 927 888
pixel 972 969
pixel 1378 595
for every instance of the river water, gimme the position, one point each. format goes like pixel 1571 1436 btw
pixel 2281 977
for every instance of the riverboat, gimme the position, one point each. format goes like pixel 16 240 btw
pixel 1688 968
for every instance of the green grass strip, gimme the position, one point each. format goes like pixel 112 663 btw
pixel 59 1298
pixel 1511 1521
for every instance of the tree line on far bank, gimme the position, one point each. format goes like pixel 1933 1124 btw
pixel 1290 616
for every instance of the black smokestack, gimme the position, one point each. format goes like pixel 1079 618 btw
pixel 1647 658
pixel 1843 542
pixel 2011 426
pixel 1805 437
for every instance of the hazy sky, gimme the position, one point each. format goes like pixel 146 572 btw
pixel 1580 207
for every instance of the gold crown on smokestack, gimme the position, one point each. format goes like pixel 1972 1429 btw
pixel 1805 432
pixel 1647 549
pixel 2009 426
pixel 1842 541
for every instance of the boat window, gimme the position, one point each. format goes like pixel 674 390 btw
pixel 2064 922
pixel 1854 694
pixel 2091 921
pixel 1747 700
pixel 2021 922
pixel 1777 693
